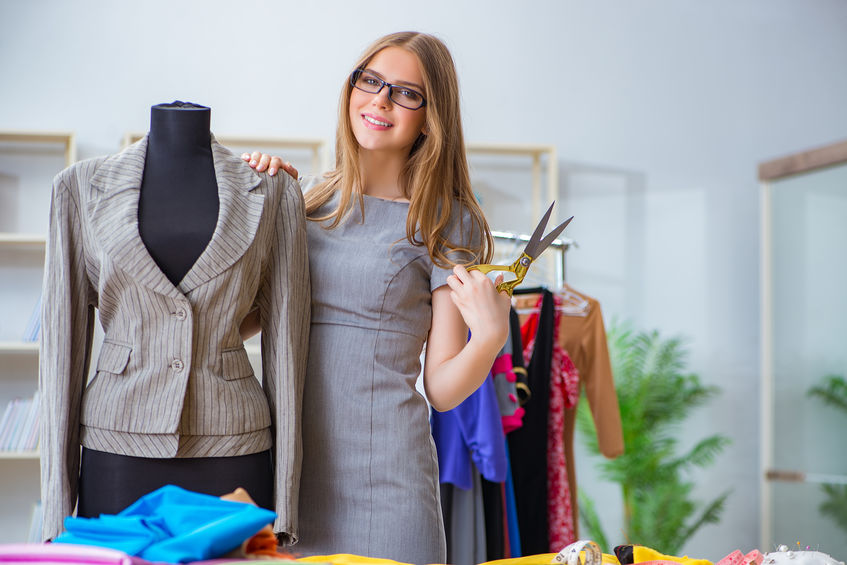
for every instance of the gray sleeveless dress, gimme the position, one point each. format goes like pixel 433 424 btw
pixel 369 482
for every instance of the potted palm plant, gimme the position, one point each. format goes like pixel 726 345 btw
pixel 655 395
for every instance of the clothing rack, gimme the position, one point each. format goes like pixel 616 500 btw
pixel 562 245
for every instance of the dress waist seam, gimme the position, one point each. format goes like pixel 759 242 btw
pixel 365 328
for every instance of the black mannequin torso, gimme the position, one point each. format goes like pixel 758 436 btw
pixel 178 205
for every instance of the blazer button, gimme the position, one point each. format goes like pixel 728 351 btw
pixel 177 365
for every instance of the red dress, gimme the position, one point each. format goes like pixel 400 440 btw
pixel 564 393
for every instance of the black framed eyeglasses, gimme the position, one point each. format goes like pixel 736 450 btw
pixel 404 96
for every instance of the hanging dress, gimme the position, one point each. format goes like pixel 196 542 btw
pixel 564 394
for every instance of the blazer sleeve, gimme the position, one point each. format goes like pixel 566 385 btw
pixel 67 318
pixel 284 309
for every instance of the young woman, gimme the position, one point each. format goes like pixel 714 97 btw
pixel 389 231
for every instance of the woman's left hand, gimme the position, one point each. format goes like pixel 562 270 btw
pixel 484 309
pixel 263 161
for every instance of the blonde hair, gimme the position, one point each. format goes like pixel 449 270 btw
pixel 434 179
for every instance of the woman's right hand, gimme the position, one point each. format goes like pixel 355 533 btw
pixel 262 161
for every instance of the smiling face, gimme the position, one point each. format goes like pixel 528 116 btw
pixel 378 123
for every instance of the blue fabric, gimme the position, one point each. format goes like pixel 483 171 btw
pixel 171 525
pixel 512 512
pixel 471 431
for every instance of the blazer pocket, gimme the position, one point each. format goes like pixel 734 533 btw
pixel 236 364
pixel 113 358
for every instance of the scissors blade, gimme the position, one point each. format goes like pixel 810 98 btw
pixel 537 245
pixel 551 237
pixel 532 247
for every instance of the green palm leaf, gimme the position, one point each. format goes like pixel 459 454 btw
pixel 832 391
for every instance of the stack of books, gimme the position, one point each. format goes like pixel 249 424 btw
pixel 33 327
pixel 19 425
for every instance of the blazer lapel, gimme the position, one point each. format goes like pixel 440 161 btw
pixel 238 218
pixel 113 214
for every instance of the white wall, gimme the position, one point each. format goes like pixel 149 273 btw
pixel 660 111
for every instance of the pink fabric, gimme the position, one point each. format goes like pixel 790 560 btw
pixel 513 422
pixel 504 368
pixel 64 554
pixel 564 393
pixel 503 364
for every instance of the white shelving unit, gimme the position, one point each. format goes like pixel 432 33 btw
pixel 28 162
pixel 515 184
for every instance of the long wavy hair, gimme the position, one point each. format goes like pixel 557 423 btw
pixel 434 179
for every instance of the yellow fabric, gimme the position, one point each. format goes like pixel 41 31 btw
pixel 539 559
pixel 349 559
pixel 642 553
pixel 546 559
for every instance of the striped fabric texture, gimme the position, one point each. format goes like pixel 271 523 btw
pixel 172 378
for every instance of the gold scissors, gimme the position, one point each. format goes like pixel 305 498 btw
pixel 533 249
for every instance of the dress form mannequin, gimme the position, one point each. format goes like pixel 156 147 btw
pixel 179 175
pixel 177 214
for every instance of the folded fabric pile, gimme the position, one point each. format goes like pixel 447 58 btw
pixel 171 525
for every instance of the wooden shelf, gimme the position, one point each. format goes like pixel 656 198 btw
pixel 510 149
pixel 42 137
pixel 29 241
pixel 535 153
pixel 19 347
pixel 33 238
pixel 21 455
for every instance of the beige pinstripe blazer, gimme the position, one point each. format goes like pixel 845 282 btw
pixel 173 378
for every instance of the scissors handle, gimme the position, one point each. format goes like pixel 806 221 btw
pixel 485 268
pixel 519 268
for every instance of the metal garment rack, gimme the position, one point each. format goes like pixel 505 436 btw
pixel 561 244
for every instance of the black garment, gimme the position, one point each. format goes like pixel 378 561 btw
pixel 625 555
pixel 492 504
pixel 104 477
pixel 528 444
